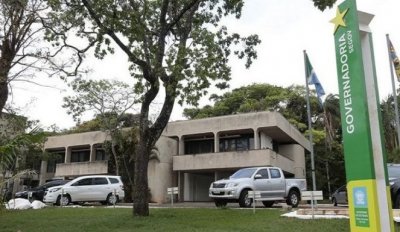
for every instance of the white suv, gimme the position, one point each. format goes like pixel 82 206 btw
pixel 105 189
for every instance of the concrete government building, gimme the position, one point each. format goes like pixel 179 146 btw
pixel 192 153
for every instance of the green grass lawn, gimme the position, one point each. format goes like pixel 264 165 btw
pixel 109 219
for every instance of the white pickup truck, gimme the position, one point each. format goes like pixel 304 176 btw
pixel 270 181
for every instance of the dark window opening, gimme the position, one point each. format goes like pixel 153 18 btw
pixel 240 143
pixel 199 146
pixel 101 154
pixel 54 159
pixel 80 156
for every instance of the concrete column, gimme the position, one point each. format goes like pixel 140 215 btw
pixel 295 153
pixel 181 146
pixel 181 186
pixel 67 155
pixel 265 141
pixel 256 140
pixel 43 172
pixel 92 157
pixel 216 142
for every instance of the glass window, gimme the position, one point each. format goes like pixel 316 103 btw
pixel 87 181
pixel 275 173
pixel 243 173
pixel 101 154
pixel 199 146
pixel 263 173
pixel 241 143
pixel 113 180
pixel 54 159
pixel 80 156
pixel 100 181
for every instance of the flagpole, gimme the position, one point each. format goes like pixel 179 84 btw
pixel 309 127
pixel 396 108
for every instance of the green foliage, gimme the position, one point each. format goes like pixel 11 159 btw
pixel 323 4
pixel 105 98
pixel 290 102
pixel 16 144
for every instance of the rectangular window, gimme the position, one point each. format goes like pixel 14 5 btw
pixel 199 146
pixel 275 173
pixel 242 143
pixel 80 156
pixel 54 159
pixel 101 155
pixel 100 181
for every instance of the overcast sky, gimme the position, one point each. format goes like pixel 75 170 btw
pixel 286 28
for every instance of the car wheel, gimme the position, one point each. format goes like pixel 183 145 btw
pixel 334 201
pixel 293 198
pixel 220 203
pixel 268 204
pixel 244 200
pixel 112 199
pixel 66 199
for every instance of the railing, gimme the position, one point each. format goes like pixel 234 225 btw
pixel 235 159
pixel 82 168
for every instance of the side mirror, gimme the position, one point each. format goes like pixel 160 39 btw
pixel 257 176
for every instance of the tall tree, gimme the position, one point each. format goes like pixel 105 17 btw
pixel 177 47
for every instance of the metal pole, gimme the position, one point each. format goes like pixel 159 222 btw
pixel 254 201
pixel 61 198
pixel 310 129
pixel 396 108
pixel 115 197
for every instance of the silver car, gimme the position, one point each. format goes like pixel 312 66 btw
pixel 340 196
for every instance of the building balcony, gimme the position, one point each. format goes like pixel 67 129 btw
pixel 82 168
pixel 232 160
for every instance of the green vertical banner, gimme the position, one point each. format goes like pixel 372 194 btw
pixel 369 209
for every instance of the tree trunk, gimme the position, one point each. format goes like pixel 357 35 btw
pixel 141 185
pixel 114 152
pixel 6 57
pixel 3 92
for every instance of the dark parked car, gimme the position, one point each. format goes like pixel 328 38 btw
pixel 38 192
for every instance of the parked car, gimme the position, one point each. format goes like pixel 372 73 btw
pixel 340 196
pixel 102 188
pixel 394 181
pixel 38 192
pixel 270 181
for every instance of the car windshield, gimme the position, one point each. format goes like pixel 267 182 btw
pixel 243 173
pixel 394 171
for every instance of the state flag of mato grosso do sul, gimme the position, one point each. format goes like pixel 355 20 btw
pixel 369 210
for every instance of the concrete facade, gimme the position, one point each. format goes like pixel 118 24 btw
pixel 193 153
pixel 160 171
pixel 270 138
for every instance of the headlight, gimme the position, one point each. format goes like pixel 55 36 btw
pixel 54 190
pixel 230 185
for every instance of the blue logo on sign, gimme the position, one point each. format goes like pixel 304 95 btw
pixel 360 197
